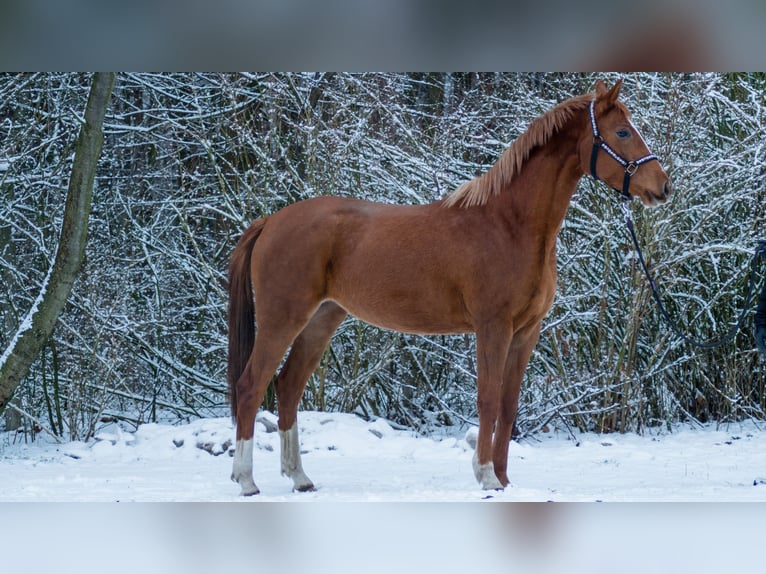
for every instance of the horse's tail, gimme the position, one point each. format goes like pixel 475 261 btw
pixel 241 309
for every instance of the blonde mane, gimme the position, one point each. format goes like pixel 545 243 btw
pixel 479 190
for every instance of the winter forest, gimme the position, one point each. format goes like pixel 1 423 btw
pixel 189 160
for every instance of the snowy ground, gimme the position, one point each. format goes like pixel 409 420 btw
pixel 353 460
pixel 354 463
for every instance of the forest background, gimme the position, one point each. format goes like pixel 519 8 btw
pixel 190 159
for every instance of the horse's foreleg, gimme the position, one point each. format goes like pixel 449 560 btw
pixel 492 343
pixel 516 365
pixel 304 357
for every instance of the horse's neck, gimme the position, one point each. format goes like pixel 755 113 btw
pixel 539 196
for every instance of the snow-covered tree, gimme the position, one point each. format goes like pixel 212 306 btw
pixel 37 325
pixel 190 159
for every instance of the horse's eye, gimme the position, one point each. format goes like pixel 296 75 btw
pixel 622 134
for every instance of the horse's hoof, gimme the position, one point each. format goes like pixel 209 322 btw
pixel 248 486
pixel 305 488
pixel 503 478
pixel 489 481
pixel 485 474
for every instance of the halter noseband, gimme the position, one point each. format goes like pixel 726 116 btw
pixel 630 166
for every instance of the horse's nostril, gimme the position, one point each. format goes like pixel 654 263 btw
pixel 667 190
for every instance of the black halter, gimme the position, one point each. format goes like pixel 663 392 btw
pixel 630 166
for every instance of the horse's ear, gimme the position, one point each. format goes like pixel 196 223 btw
pixel 611 97
pixel 608 96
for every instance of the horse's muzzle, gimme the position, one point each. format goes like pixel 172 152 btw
pixel 658 198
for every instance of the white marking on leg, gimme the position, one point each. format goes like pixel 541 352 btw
pixel 242 469
pixel 291 459
pixel 485 474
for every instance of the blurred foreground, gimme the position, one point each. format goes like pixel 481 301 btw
pixel 385 539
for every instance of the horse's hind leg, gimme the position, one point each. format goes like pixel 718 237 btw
pixel 304 357
pixel 251 388
pixel 272 340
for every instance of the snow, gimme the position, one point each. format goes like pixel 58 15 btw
pixel 350 459
pixel 28 322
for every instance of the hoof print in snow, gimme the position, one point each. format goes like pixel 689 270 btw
pixel 115 436
pixel 759 480
pixel 179 442
pixel 268 420
pixel 214 441
pixel 213 447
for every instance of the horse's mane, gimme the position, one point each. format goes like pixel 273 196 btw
pixel 479 190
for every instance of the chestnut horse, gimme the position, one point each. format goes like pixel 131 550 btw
pixel 481 260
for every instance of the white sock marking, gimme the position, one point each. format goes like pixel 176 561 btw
pixel 485 474
pixel 242 468
pixel 292 466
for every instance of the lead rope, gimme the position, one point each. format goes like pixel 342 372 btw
pixel 760 316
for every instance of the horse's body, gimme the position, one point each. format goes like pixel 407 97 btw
pixel 482 260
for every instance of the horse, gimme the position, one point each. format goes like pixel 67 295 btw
pixel 480 260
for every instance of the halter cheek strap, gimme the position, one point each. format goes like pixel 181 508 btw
pixel 631 167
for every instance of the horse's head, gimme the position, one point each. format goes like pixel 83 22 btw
pixel 612 150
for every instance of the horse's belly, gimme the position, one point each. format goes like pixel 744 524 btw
pixel 405 311
pixel 418 323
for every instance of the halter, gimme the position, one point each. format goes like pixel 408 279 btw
pixel 631 167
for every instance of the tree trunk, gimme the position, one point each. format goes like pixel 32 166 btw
pixel 38 325
pixel 8 251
